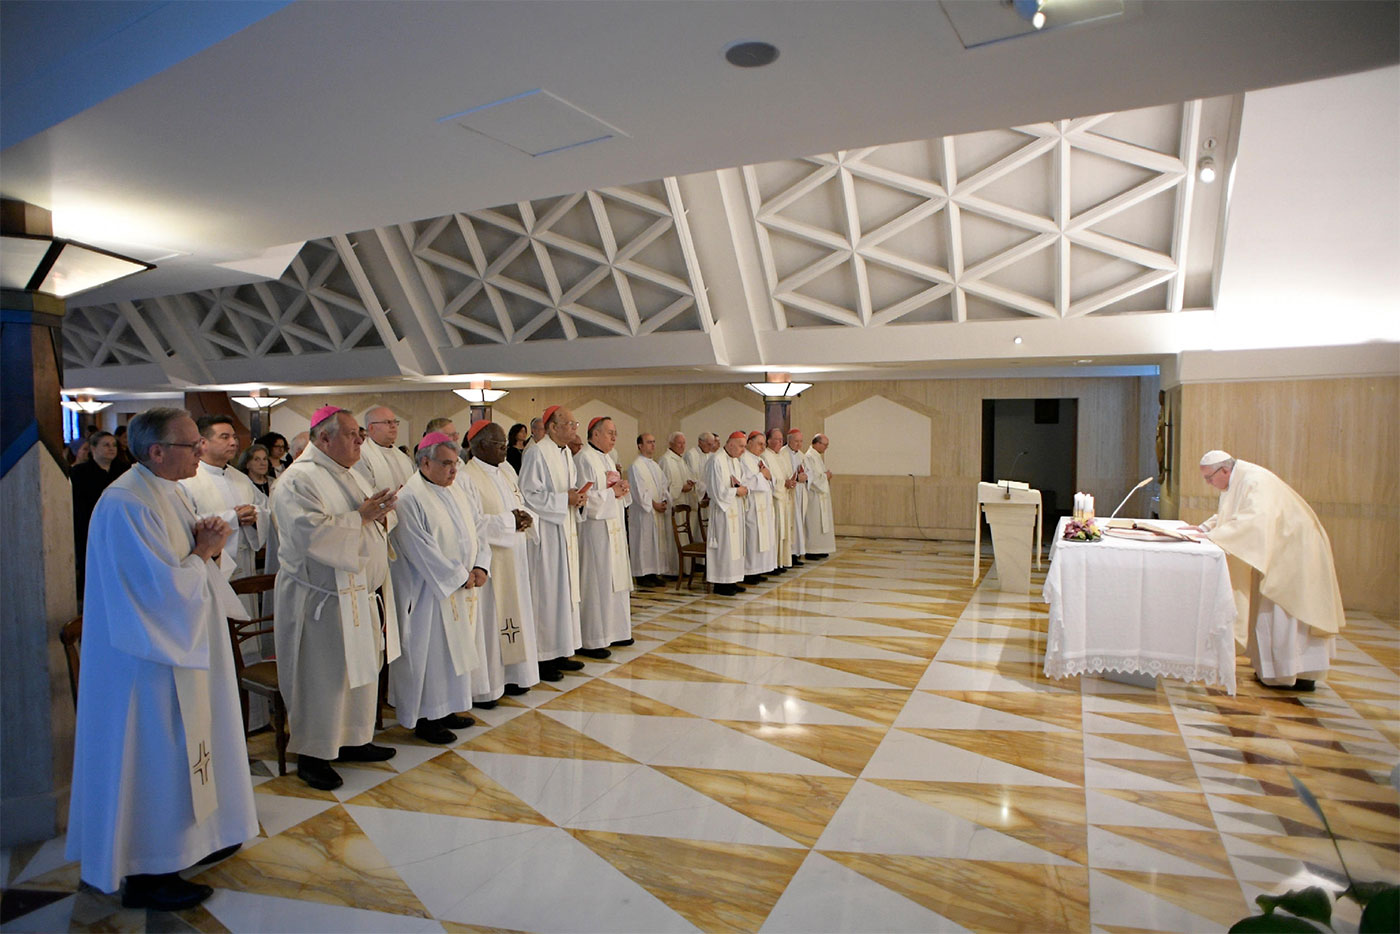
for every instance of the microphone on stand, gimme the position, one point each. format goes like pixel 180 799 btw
pixel 1012 471
pixel 1130 496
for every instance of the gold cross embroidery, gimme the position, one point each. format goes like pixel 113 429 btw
pixel 354 588
pixel 510 630
pixel 201 765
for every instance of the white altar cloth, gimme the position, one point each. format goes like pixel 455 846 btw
pixel 1154 608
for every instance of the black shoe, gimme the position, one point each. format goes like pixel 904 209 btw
pixel 1301 685
pixel 814 557
pixel 484 705
pixel 778 571
pixel 220 855
pixel 550 672
pixel 726 590
pixel 318 773
pixel 164 892
pixel 429 732
pixel 366 753
pixel 593 653
pixel 515 690
pixel 752 579
pixel 797 562
pixel 668 577
pixel 625 642
pixel 568 664
pixel 454 722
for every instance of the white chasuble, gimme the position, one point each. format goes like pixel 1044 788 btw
pixel 546 476
pixel 438 540
pixel 653 549
pixel 758 513
pixel 605 568
pixel 821 534
pixel 215 491
pixel 678 471
pixel 796 462
pixel 724 548
pixel 506 602
pixel 160 775
pixel 330 629
pixel 781 469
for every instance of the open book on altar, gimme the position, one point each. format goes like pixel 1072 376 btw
pixel 1183 533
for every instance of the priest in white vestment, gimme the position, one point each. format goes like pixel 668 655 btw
pixel 724 548
pixel 552 492
pixel 218 489
pixel 682 480
pixel 160 766
pixel 760 542
pixel 820 528
pixel 510 659
pixel 381 463
pixel 653 547
pixel 1288 598
pixel 333 632
pixel 706 443
pixel 797 460
pixel 441 562
pixel 605 568
pixel 780 466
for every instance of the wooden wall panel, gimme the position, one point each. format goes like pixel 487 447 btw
pixel 1335 441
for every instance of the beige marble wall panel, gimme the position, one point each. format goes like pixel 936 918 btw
pixel 1335 441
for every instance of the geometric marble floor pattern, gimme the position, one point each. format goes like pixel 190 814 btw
pixel 868 743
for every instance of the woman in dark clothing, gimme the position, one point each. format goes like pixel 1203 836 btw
pixel 516 449
pixel 257 465
pixel 276 451
pixel 90 478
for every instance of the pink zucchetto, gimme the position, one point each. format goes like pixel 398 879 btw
pixel 323 413
pixel 432 439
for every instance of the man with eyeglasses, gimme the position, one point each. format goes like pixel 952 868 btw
pixel 381 462
pixel 1288 598
pixel 160 767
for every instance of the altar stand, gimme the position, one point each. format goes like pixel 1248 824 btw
pixel 1013 511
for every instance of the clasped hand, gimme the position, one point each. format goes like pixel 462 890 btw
pixel 477 578
pixel 247 514
pixel 523 520
pixel 209 537
pixel 378 506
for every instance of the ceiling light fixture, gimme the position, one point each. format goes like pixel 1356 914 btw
pixel 778 386
pixel 479 392
pixel 32 259
pixel 1032 11
pixel 85 404
pixel 750 53
pixel 1205 170
pixel 1016 339
pixel 258 399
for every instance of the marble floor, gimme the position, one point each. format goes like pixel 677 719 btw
pixel 868 744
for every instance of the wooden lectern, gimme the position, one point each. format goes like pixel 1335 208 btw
pixel 1013 511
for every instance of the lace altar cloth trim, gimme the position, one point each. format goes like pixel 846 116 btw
pixel 1132 664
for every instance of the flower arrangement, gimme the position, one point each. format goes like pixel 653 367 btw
pixel 1082 531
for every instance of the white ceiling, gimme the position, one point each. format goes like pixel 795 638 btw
pixel 323 119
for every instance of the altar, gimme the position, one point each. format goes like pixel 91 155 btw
pixel 1155 608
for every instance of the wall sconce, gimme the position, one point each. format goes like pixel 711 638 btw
pixel 85 404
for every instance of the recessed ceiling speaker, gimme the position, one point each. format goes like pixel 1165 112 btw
pixel 748 53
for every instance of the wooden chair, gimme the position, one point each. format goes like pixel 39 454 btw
pixel 71 635
pixel 261 677
pixel 703 512
pixel 687 548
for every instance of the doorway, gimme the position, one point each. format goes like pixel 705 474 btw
pixel 1034 441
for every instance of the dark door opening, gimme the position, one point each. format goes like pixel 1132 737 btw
pixel 1034 441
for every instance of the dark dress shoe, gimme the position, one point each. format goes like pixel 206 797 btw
pixel 220 855
pixel 454 722
pixel 726 590
pixel 164 892
pixel 797 562
pixel 550 673
pixel 515 690
pixel 1301 685
pixel 484 705
pixel 812 557
pixel 318 773
pixel 568 664
pixel 752 579
pixel 593 653
pixel 366 753
pixel 625 642
pixel 429 732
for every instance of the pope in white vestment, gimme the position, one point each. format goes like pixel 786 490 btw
pixel 760 544
pixel 550 487
pixel 441 561
pixel 724 549
pixel 1288 597
pixel 160 766
pixel 797 462
pixel 780 466
pixel 820 527
pixel 653 548
pixel 511 651
pixel 605 569
pixel 332 631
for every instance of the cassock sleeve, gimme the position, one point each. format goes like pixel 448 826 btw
pixel 721 490
pixel 598 504
pixel 135 567
pixel 538 491
pixel 335 540
pixel 816 476
pixel 414 543
pixel 643 489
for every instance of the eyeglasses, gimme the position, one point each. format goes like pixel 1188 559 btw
pixel 182 444
pixel 495 444
pixel 1215 471
pixel 571 424
pixel 388 421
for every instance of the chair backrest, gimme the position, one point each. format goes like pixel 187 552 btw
pixel 680 526
pixel 704 513
pixel 241 630
pixel 71 635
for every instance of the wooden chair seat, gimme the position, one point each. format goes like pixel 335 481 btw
pixel 260 677
pixel 690 554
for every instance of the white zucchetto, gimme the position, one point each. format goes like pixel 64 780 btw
pixel 1213 458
